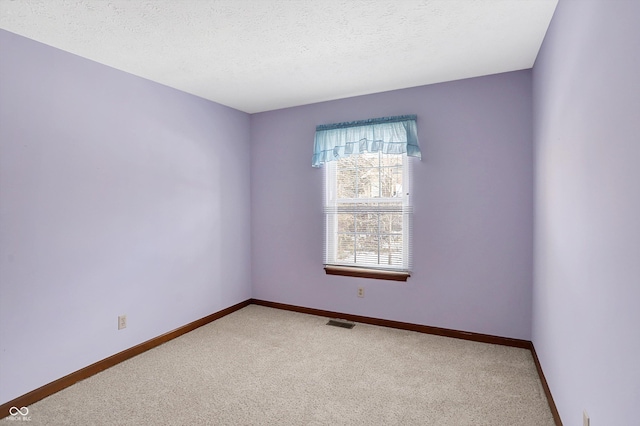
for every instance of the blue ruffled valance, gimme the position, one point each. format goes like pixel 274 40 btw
pixel 391 135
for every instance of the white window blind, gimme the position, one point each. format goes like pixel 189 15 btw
pixel 368 211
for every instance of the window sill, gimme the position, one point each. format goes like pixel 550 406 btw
pixel 349 271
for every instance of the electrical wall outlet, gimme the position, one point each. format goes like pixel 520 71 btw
pixel 360 291
pixel 122 322
pixel 585 419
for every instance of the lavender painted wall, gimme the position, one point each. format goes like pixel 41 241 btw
pixel 473 222
pixel 587 239
pixel 117 196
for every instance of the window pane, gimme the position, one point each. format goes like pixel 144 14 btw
pixel 391 181
pixel 348 162
pixel 391 250
pixel 367 249
pixel 367 223
pixel 368 182
pixel 346 247
pixel 346 181
pixel 346 223
pixel 391 223
pixel 369 159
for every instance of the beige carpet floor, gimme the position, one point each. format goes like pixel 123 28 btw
pixel 263 366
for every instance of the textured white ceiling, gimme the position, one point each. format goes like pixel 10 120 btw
pixel 259 55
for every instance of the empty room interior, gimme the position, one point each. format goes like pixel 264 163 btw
pixel 156 178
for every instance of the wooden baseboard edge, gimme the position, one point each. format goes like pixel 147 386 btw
pixel 545 386
pixel 476 337
pixel 68 380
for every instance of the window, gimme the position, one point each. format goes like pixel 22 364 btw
pixel 367 212
pixel 367 203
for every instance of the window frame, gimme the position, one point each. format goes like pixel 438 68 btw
pixel 331 203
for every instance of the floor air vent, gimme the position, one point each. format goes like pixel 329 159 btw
pixel 341 323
